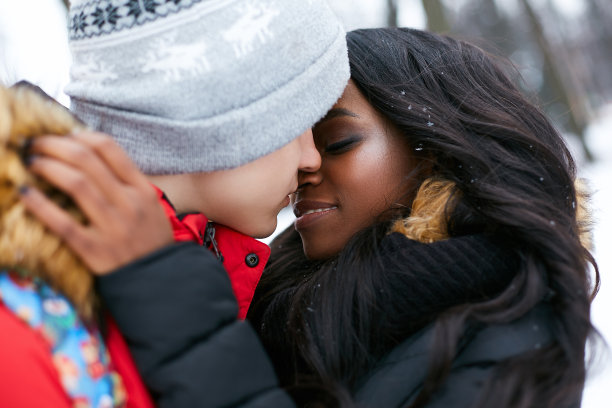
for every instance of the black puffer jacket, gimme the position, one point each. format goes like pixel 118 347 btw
pixel 399 377
pixel 177 312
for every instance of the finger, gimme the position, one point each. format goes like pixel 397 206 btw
pixel 57 220
pixel 77 185
pixel 114 156
pixel 82 158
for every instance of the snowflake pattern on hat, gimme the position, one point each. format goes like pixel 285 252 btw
pixel 97 17
pixel 175 59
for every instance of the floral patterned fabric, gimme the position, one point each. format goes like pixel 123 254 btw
pixel 79 353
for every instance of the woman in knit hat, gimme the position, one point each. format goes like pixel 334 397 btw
pixel 436 259
pixel 440 255
pixel 213 101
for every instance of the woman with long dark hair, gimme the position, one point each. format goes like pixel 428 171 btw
pixel 436 259
pixel 341 292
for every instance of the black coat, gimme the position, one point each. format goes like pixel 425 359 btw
pixel 400 375
pixel 177 312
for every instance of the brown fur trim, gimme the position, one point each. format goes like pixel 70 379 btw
pixel 429 214
pixel 25 244
pixel 584 216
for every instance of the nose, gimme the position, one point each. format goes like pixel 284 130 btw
pixel 310 172
pixel 310 159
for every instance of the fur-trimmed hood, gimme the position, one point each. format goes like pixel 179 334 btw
pixel 26 246
pixel 429 216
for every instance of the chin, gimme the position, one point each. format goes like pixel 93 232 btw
pixel 318 252
pixel 263 231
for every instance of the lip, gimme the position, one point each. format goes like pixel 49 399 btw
pixel 308 212
pixel 286 201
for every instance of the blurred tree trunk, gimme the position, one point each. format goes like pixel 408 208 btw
pixel 602 15
pixel 66 3
pixel 436 18
pixel 600 18
pixel 577 118
pixel 499 30
pixel 391 13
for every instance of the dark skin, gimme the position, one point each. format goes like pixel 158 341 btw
pixel 365 167
pixel 126 220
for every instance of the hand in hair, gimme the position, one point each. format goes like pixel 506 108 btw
pixel 125 218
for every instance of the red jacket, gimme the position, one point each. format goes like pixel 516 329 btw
pixel 28 377
pixel 243 257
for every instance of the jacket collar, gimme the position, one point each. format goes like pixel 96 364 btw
pixel 243 257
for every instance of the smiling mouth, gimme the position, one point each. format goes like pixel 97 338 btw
pixel 309 217
pixel 317 210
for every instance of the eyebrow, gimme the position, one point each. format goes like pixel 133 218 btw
pixel 338 112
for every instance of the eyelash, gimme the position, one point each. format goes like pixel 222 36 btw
pixel 341 146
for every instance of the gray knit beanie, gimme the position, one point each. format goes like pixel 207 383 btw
pixel 200 85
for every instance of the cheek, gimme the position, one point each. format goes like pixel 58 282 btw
pixel 281 175
pixel 374 181
pixel 251 215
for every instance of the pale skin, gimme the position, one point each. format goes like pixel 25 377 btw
pixel 126 220
pixel 246 198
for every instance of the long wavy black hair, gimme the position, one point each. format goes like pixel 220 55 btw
pixel 457 106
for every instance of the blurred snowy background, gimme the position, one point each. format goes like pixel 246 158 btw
pixel 562 47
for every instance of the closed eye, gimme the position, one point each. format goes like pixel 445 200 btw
pixel 341 146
